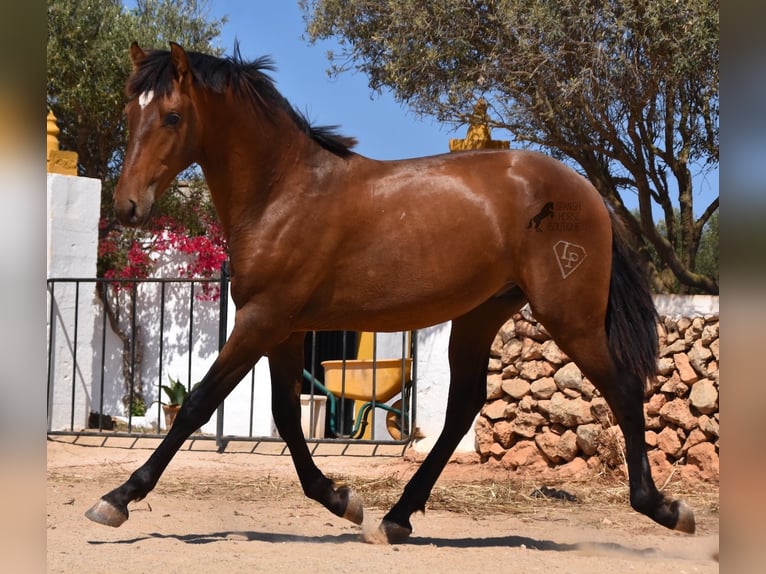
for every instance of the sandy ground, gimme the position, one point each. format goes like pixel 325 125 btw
pixel 244 512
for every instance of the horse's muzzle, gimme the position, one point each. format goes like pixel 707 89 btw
pixel 134 211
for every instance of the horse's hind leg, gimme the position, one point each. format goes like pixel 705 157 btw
pixel 470 341
pixel 585 341
pixel 286 365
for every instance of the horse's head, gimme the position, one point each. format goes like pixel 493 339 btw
pixel 162 127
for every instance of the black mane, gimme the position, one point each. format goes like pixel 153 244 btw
pixel 247 78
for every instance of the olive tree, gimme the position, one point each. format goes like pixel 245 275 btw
pixel 626 90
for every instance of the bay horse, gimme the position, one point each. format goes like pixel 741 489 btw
pixel 322 238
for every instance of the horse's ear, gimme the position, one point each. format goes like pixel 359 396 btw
pixel 137 55
pixel 180 62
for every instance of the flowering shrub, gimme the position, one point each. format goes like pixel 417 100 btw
pixel 136 253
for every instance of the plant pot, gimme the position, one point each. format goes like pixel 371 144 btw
pixel 170 414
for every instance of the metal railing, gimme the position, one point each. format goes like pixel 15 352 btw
pixel 113 342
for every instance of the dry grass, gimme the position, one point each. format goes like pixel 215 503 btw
pixel 475 498
pixel 513 496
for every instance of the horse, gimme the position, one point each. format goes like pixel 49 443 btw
pixel 323 238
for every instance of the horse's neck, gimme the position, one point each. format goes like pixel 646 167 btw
pixel 243 158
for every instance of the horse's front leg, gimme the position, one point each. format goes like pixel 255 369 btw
pixel 237 357
pixel 286 366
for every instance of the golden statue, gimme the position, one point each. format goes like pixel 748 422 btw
pixel 478 135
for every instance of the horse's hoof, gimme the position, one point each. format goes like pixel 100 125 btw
pixel 685 521
pixel 394 533
pixel 354 508
pixel 106 514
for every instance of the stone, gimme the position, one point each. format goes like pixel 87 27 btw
pixel 654 404
pixel 704 396
pixel 601 412
pixel 569 412
pixel 494 387
pixel 543 388
pixel 668 442
pixel 507 331
pixel 502 433
pixel 511 351
pixel 665 366
pixel 516 387
pixel 533 370
pixel 496 349
pixel 548 443
pixel 653 423
pixel 699 357
pixel 708 425
pixel 714 348
pixel 568 446
pixel 552 353
pixel 526 424
pixel 678 346
pixel 495 410
pixel 527 404
pixel 660 465
pixel 611 447
pixel 650 438
pixel 576 469
pixel 557 449
pixel 685 371
pixel 530 350
pixel 524 454
pixel 568 377
pixel 495 365
pixel 675 386
pixel 510 371
pixel 695 437
pixel 677 412
pixel 705 458
pixel 683 324
pixel 496 450
pixel 588 389
pixel 484 436
pixel 709 334
pixel 588 437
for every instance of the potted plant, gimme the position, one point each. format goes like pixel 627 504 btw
pixel 176 393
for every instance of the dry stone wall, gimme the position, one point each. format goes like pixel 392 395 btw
pixel 543 415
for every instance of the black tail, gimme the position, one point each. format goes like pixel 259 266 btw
pixel 631 318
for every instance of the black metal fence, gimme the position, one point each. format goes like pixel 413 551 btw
pixel 114 343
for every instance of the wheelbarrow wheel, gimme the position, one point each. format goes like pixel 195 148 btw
pixel 394 421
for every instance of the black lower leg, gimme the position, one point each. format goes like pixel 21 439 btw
pixel 286 365
pixel 644 495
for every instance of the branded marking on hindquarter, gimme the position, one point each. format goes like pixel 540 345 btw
pixel 569 256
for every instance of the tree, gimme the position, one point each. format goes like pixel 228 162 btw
pixel 88 65
pixel 627 90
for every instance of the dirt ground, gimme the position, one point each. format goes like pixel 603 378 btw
pixel 243 511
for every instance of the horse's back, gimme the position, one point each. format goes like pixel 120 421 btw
pixel 431 238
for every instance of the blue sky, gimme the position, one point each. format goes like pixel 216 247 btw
pixel 384 129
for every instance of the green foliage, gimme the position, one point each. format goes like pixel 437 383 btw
pixel 707 255
pixel 138 407
pixel 176 392
pixel 628 91
pixel 88 65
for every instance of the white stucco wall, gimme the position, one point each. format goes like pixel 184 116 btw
pixel 72 243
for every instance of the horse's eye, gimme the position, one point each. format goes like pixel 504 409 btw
pixel 172 119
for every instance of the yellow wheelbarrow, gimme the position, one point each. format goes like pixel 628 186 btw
pixel 374 383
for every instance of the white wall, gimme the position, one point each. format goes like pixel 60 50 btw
pixel 72 230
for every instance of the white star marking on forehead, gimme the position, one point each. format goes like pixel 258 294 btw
pixel 145 98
